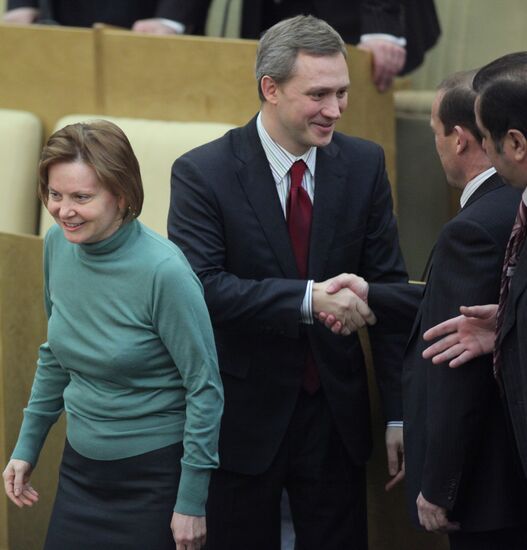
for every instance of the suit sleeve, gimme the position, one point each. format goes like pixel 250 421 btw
pixel 469 261
pixel 192 13
pixel 14 4
pixel 382 16
pixel 381 262
pixel 270 306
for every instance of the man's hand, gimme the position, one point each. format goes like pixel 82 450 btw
pixel 152 26
pixel 464 337
pixel 16 483
pixel 190 532
pixel 344 305
pixel 359 287
pixel 388 60
pixel 395 454
pixel 21 16
pixel 434 518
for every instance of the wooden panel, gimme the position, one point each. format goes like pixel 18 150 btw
pixel 178 78
pixel 49 71
pixel 22 330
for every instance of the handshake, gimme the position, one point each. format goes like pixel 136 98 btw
pixel 341 304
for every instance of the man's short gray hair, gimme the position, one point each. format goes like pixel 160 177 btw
pixel 280 45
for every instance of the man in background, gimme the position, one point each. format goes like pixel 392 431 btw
pixel 152 16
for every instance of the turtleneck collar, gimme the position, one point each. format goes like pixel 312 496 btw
pixel 109 245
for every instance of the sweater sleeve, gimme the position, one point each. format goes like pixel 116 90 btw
pixel 45 402
pixel 182 321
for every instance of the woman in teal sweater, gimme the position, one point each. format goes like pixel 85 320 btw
pixel 130 357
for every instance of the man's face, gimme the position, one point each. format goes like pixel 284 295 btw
pixel 445 145
pixel 504 161
pixel 308 105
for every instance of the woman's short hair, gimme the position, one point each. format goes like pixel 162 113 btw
pixel 104 147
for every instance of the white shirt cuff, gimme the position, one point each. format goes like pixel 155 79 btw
pixel 306 311
pixel 394 424
pixel 176 26
pixel 399 41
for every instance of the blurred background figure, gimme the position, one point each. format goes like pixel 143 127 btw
pixel 152 16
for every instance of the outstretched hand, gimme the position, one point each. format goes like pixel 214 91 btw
pixel 463 338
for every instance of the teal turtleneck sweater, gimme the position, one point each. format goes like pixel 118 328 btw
pixel 130 356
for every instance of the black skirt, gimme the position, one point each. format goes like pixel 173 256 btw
pixel 122 504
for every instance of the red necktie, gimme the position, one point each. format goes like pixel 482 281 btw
pixel 299 214
pixel 512 253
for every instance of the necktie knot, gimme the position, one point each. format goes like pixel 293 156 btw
pixel 297 173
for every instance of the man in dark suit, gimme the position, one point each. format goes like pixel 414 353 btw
pixel 153 16
pixel 264 241
pixel 459 459
pixel 501 116
pixel 397 32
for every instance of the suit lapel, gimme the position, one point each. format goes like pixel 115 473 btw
pixel 256 179
pixel 330 179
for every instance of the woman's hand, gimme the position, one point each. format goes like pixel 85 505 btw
pixel 190 532
pixel 16 482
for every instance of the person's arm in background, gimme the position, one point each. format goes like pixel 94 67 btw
pixel 383 34
pixel 176 17
pixel 21 12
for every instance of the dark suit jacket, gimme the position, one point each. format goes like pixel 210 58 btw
pixel 414 19
pixel 226 216
pixel 457 449
pixel 513 344
pixel 84 13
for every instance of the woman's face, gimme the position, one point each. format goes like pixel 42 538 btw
pixel 80 204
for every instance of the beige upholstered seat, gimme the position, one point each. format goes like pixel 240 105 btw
pixel 20 143
pixel 156 144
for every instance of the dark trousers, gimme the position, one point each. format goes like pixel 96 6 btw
pixel 502 539
pixel 327 493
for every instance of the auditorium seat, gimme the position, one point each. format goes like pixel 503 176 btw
pixel 20 144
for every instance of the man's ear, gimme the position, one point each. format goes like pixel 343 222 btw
pixel 461 139
pixel 517 143
pixel 269 88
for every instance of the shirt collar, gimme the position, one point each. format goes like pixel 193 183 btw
pixel 279 159
pixel 474 184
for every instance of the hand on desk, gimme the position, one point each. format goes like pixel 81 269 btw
pixel 341 304
pixel 388 60
pixel 465 337
pixel 152 26
pixel 21 16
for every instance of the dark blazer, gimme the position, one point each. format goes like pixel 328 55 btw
pixel 84 13
pixel 513 344
pixel 414 19
pixel 226 216
pixel 457 449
